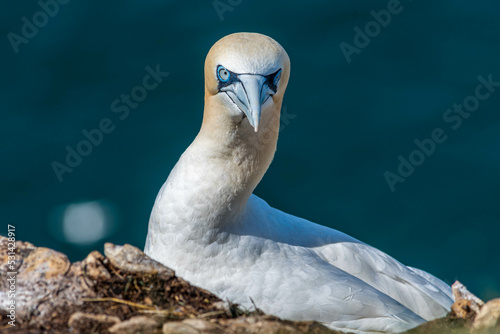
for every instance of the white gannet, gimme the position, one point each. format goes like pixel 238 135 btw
pixel 208 226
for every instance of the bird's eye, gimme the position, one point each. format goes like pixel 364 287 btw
pixel 223 74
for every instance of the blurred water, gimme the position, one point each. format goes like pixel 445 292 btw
pixel 349 121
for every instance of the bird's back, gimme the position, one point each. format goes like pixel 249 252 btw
pixel 326 275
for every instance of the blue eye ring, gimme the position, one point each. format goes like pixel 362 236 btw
pixel 223 74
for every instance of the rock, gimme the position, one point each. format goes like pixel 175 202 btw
pixel 488 318
pixel 132 260
pixel 462 309
pixel 179 327
pixel 94 268
pixel 43 263
pixel 23 249
pixel 203 326
pixel 461 295
pixel 80 322
pixel 465 307
pixel 245 325
pixel 187 327
pixel 269 325
pixel 135 325
pixel 43 282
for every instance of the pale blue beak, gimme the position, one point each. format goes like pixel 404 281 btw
pixel 249 93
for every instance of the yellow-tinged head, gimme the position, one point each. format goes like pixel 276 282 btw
pixel 246 75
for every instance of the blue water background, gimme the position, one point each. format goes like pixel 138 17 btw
pixel 348 121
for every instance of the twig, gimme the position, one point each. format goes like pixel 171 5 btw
pixel 121 301
pixel 209 314
pixel 168 314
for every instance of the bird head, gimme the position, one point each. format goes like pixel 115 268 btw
pixel 246 75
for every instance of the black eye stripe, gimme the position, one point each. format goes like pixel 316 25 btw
pixel 271 79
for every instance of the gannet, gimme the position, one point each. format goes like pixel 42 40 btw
pixel 208 226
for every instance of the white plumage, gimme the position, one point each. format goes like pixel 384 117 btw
pixel 208 226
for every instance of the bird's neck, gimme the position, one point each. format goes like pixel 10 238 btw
pixel 225 163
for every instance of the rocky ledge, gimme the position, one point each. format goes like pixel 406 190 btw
pixel 124 291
